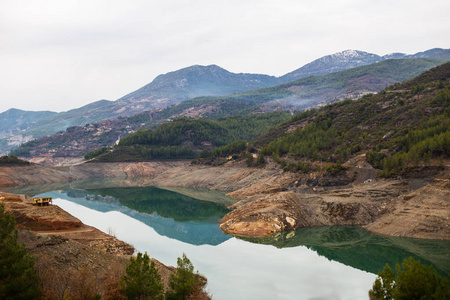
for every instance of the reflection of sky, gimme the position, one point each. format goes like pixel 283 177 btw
pixel 192 232
pixel 237 269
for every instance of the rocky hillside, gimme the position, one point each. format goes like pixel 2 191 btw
pixel 195 81
pixel 74 260
pixel 165 90
pixel 300 94
pixel 174 87
pixel 14 121
pixel 271 200
pixel 404 125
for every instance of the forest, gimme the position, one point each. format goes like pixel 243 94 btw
pixel 185 138
pixel 400 127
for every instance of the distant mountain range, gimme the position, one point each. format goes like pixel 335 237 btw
pixel 14 120
pixel 353 58
pixel 178 86
pixel 409 121
pixel 297 95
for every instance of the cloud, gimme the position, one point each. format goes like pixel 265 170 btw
pixel 60 55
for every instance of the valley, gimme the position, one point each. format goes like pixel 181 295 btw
pixel 217 171
pixel 212 92
pixel 368 162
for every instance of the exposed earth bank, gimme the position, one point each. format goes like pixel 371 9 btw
pixel 73 260
pixel 270 200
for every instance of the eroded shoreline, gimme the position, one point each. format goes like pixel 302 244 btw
pixel 270 201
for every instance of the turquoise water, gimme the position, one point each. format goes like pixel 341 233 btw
pixel 310 263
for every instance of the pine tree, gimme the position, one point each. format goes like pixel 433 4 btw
pixel 142 279
pixel 18 279
pixel 413 281
pixel 183 282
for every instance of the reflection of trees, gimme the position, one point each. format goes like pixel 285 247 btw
pixel 165 203
pixel 361 249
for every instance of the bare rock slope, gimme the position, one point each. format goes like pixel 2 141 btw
pixel 269 200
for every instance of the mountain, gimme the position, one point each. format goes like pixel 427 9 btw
pixel 196 134
pixel 307 92
pixel 353 58
pixel 14 121
pixel 333 63
pixel 177 86
pixel 164 90
pixel 402 127
pixel 195 81
pixel 297 95
pixel 432 53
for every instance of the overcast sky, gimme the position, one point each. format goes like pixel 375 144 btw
pixel 62 54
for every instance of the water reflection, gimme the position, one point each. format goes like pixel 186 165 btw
pixel 191 216
pixel 356 247
pixel 165 203
pixel 170 214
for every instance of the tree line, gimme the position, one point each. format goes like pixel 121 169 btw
pixel 185 138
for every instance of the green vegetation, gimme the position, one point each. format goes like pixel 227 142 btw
pixel 184 138
pixel 313 89
pixel 398 128
pixel 232 148
pixel 410 281
pixel 142 279
pixel 165 203
pixel 183 283
pixel 96 152
pixel 12 160
pixel 391 127
pixel 18 279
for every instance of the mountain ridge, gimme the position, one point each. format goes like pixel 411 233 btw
pixel 166 90
pixel 301 94
pixel 354 58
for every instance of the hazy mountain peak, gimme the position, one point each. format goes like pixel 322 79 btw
pixel 333 63
pixel 199 80
pixel 349 54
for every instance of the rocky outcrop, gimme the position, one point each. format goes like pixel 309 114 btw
pixel 270 200
pixel 289 210
pixel 423 213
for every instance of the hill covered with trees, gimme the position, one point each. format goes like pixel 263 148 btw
pixel 402 126
pixel 185 138
pixel 301 94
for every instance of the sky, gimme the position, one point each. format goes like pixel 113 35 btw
pixel 59 55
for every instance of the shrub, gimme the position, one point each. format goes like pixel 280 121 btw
pixel 413 281
pixel 142 279
pixel 18 278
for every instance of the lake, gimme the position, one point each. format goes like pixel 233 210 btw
pixel 309 263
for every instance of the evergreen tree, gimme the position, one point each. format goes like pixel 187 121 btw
pixel 142 279
pixel 18 279
pixel 183 282
pixel 413 281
